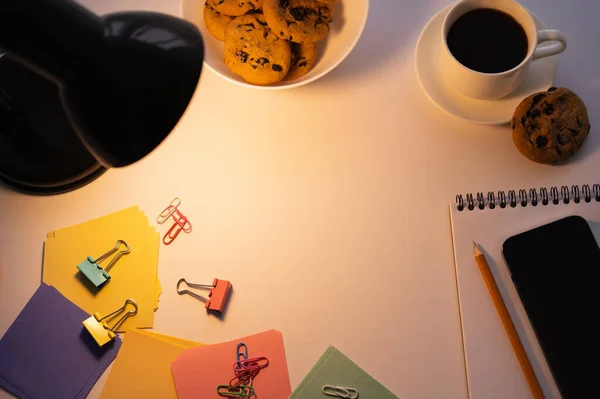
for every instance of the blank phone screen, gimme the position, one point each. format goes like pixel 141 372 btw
pixel 556 271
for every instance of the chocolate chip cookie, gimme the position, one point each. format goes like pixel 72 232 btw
pixel 216 22
pixel 299 21
pixel 235 7
pixel 254 52
pixel 303 59
pixel 550 127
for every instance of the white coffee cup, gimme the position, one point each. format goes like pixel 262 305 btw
pixel 491 86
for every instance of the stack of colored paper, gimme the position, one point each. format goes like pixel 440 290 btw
pixel 199 371
pixel 47 354
pixel 142 369
pixel 334 370
pixel 134 276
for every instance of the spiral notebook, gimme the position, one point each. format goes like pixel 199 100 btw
pixel 492 368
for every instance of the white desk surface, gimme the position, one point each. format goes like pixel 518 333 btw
pixel 326 205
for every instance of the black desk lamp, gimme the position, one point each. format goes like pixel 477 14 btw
pixel 80 93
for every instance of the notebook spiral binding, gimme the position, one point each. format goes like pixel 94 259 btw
pixel 522 198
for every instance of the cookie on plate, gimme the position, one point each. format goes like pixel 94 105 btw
pixel 235 7
pixel 551 126
pixel 216 22
pixel 299 21
pixel 254 52
pixel 303 59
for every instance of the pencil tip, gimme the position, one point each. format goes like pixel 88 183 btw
pixel 476 249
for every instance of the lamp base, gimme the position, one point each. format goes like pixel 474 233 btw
pixel 40 152
pixel 52 188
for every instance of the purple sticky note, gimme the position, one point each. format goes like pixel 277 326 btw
pixel 47 353
pixel 11 388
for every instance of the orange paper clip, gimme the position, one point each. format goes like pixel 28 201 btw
pixel 181 222
pixel 217 296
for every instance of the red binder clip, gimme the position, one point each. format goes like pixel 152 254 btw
pixel 181 222
pixel 217 296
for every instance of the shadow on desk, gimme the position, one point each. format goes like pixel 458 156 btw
pixel 4 189
pixel 591 146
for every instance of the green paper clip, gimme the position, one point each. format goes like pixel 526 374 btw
pixel 94 272
pixel 243 391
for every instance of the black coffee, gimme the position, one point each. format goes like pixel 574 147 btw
pixel 488 41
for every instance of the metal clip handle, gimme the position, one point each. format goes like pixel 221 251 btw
pixel 117 256
pixel 125 316
pixel 199 286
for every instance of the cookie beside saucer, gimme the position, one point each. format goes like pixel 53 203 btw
pixel 551 126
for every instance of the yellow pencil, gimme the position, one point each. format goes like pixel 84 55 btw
pixel 511 331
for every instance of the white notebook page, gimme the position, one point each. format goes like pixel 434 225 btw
pixel 493 371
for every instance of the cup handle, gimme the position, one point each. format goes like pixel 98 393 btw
pixel 556 48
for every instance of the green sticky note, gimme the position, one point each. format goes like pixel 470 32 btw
pixel 334 368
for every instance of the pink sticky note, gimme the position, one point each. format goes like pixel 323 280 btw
pixel 198 371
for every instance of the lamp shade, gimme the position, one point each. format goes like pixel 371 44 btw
pixel 124 80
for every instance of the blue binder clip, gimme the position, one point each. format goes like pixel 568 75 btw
pixel 94 272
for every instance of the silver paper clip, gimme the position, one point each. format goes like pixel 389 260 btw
pixel 340 392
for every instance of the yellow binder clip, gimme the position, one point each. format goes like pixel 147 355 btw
pixel 101 332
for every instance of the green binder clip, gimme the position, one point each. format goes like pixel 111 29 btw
pixel 94 272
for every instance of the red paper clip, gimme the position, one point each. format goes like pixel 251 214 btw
pixel 250 364
pixel 243 377
pixel 181 222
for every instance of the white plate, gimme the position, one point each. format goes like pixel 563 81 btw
pixel 539 77
pixel 349 19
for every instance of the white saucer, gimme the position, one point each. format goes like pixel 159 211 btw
pixel 539 77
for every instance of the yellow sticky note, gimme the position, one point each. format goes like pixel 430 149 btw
pixel 134 276
pixel 142 368
pixel 158 291
pixel 186 343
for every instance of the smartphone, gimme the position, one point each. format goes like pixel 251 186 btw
pixel 555 269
